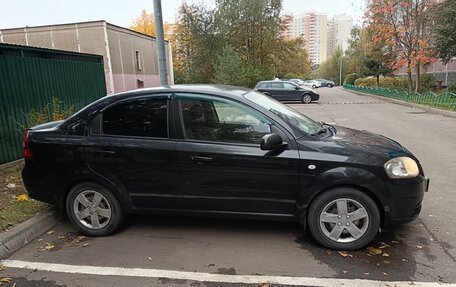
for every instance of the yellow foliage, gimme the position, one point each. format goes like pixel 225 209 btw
pixel 22 197
pixel 145 23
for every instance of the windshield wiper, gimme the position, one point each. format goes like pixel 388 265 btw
pixel 319 132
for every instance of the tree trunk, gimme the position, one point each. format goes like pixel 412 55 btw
pixel 418 76
pixel 409 75
pixel 378 81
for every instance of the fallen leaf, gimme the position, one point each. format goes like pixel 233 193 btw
pixel 22 197
pixel 366 273
pixel 431 239
pixel 49 246
pixel 386 262
pixel 14 285
pixel 2 267
pixel 85 244
pixel 343 253
pixel 78 239
pixel 149 258
pixel 345 272
pixel 6 280
pixel 430 215
pixel 384 273
pixel 374 251
pixel 395 242
pixel 384 245
pixel 385 255
pixel 40 239
pixel 61 237
pixel 50 232
pixel 419 247
pixel 11 185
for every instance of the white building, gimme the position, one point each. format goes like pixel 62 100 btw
pixel 339 32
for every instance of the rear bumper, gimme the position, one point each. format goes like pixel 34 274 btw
pixel 38 184
pixel 406 200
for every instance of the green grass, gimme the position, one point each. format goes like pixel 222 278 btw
pixel 17 212
pixel 13 211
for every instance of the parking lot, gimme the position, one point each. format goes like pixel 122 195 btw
pixel 172 251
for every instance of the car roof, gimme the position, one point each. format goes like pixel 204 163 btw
pixel 223 90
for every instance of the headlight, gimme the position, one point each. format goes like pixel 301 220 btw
pixel 401 167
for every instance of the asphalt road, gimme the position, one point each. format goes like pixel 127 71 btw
pixel 420 251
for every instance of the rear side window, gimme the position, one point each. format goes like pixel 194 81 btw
pixel 139 118
pixel 265 86
pixel 277 85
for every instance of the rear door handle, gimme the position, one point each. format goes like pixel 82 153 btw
pixel 103 151
pixel 201 159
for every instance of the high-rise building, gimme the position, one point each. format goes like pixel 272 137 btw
pixel 312 28
pixel 339 32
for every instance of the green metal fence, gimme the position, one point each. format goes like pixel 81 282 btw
pixel 446 101
pixel 28 83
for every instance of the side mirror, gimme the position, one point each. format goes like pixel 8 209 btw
pixel 272 142
pixel 297 88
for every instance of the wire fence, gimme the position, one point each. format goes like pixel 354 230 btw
pixel 445 101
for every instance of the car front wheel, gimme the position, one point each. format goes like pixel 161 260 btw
pixel 343 219
pixel 94 210
pixel 329 86
pixel 306 99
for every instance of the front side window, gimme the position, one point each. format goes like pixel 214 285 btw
pixel 289 86
pixel 209 119
pixel 139 118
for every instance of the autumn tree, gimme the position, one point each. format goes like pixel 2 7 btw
pixel 402 27
pixel 145 23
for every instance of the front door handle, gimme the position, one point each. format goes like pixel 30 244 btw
pixel 201 159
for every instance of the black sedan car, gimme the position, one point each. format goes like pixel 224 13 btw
pixel 220 151
pixel 287 91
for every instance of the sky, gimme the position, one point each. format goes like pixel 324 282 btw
pixel 21 13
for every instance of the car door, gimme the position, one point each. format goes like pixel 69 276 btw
pixel 130 144
pixel 223 168
pixel 276 90
pixel 290 93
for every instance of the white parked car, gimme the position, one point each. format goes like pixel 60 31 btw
pixel 312 83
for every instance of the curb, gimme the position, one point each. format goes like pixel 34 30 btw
pixel 9 164
pixel 18 236
pixel 431 110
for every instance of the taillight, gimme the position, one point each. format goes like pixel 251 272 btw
pixel 27 151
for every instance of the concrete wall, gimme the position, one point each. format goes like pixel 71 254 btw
pixel 116 44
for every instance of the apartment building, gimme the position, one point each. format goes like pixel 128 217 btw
pixel 313 28
pixel 339 32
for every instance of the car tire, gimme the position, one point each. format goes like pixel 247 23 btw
pixel 334 229
pixel 329 86
pixel 306 99
pixel 313 86
pixel 94 210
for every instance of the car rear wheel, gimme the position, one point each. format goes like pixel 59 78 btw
pixel 343 219
pixel 313 86
pixel 329 86
pixel 94 210
pixel 306 99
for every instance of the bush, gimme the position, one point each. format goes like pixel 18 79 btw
pixel 351 78
pixel 366 82
pixel 451 88
pixel 427 82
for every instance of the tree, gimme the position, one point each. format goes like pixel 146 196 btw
pixel 145 23
pixel 402 26
pixel 229 68
pixel 331 68
pixel 253 29
pixel 445 30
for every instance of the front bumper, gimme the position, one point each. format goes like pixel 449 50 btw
pixel 406 199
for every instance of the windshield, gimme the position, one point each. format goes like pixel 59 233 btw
pixel 300 123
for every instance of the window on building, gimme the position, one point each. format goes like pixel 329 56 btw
pixel 138 60
pixel 139 118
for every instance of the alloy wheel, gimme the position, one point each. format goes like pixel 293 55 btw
pixel 92 209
